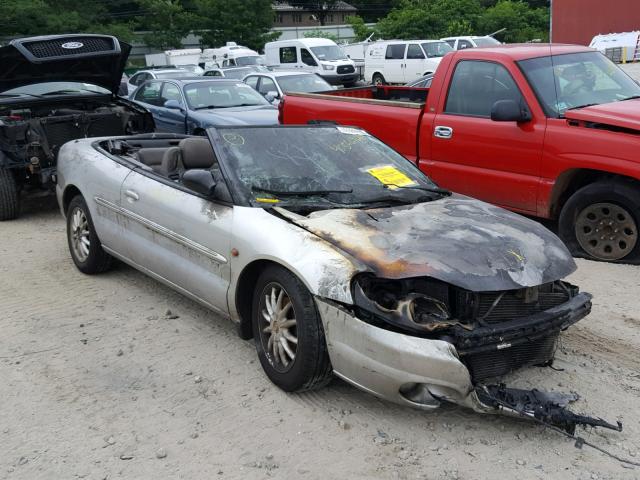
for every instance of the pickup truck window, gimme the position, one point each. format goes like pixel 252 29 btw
pixel 575 80
pixel 477 85
pixel 395 51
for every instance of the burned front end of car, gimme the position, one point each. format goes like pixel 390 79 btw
pixel 493 332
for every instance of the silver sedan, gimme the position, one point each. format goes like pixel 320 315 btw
pixel 335 253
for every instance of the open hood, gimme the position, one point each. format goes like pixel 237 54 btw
pixel 85 58
pixel 624 114
pixel 457 240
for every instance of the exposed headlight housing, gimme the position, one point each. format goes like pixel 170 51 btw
pixel 328 67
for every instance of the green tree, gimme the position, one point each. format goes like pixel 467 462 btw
pixel 246 22
pixel 167 23
pixel 361 31
pixel 522 22
pixel 317 33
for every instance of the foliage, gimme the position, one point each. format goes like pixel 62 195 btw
pixel 361 31
pixel 167 23
pixel 246 22
pixel 522 22
pixel 317 33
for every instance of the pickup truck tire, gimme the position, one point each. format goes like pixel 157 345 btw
pixel 84 244
pixel 9 196
pixel 600 222
pixel 288 332
pixel 378 79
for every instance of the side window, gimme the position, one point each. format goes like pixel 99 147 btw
pixel 462 44
pixel 476 86
pixel 252 81
pixel 149 93
pixel 267 85
pixel 414 52
pixel 170 92
pixel 306 58
pixel 451 42
pixel 288 55
pixel 395 52
pixel 138 79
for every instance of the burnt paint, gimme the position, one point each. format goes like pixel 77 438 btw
pixel 457 240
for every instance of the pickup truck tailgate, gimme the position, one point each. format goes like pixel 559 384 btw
pixel 395 121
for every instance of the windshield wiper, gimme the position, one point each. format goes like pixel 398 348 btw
pixel 70 90
pixel 632 97
pixel 439 191
pixel 582 106
pixel 300 193
pixel 206 108
pixel 9 95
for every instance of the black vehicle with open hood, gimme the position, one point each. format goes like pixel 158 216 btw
pixel 54 89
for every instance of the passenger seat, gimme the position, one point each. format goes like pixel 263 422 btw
pixel 192 152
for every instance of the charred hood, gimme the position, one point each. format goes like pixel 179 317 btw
pixel 457 240
pixel 94 59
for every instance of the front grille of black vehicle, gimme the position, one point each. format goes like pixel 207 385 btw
pixel 497 363
pixel 53 48
pixel 513 305
pixel 345 69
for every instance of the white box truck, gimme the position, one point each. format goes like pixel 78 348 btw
pixel 318 55
pixel 231 55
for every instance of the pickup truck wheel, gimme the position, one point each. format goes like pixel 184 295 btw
pixel 378 79
pixel 600 222
pixel 84 244
pixel 288 332
pixel 9 196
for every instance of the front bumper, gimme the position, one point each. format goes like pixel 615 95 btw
pixel 421 372
pixel 336 79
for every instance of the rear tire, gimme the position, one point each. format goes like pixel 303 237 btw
pixel 9 196
pixel 84 244
pixel 601 220
pixel 284 313
pixel 378 79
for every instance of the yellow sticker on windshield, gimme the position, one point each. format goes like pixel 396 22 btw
pixel 390 175
pixel 267 200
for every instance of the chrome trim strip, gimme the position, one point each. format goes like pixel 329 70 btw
pixel 165 232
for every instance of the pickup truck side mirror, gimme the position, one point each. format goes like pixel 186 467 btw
pixel 200 181
pixel 509 111
pixel 173 105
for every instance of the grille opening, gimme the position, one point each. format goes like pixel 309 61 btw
pixel 53 48
pixel 345 69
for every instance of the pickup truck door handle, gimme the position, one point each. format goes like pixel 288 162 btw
pixel 132 195
pixel 443 132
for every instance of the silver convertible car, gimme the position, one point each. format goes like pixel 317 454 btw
pixel 334 252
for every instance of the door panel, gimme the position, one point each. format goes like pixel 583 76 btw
pixel 394 63
pixel 498 162
pixel 171 120
pixel 178 236
pixel 414 63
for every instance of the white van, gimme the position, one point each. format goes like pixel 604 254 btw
pixel 231 55
pixel 401 61
pixel 317 55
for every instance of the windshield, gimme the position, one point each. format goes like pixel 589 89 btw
pixel 176 74
pixel 576 80
pixel 436 49
pixel 486 41
pixel 330 52
pixel 303 83
pixel 217 94
pixel 254 60
pixel 324 166
pixel 47 88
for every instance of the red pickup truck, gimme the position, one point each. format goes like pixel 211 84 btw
pixel 551 131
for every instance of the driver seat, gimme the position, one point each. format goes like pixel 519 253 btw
pixel 192 152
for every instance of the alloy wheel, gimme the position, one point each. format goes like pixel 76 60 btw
pixel 278 333
pixel 80 234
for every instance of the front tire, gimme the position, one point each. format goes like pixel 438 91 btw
pixel 378 79
pixel 9 196
pixel 84 244
pixel 600 222
pixel 288 332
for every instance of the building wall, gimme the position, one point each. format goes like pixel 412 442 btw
pixel 578 21
pixel 304 18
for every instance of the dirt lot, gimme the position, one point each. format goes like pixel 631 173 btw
pixel 99 382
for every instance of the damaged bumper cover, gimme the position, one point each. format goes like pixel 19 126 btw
pixel 421 372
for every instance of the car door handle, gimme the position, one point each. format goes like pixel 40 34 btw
pixel 132 195
pixel 443 132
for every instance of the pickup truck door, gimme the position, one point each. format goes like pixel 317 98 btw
pixel 178 237
pixel 498 162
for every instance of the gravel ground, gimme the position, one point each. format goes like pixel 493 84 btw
pixel 100 382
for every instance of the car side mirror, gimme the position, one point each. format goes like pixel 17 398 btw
pixel 271 96
pixel 173 105
pixel 509 111
pixel 200 181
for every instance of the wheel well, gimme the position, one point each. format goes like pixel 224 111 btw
pixel 244 294
pixel 69 193
pixel 570 181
